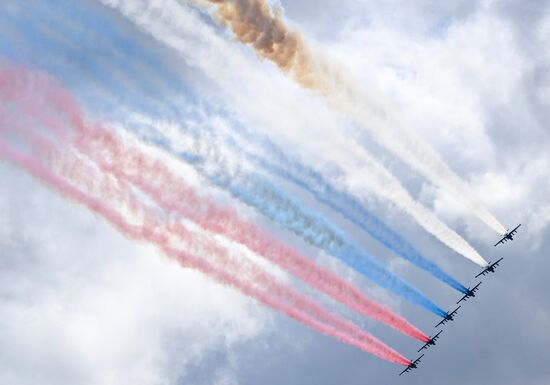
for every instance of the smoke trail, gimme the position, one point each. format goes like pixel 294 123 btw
pixel 316 230
pixel 169 24
pixel 159 183
pixel 155 179
pixel 202 245
pixel 113 60
pixel 256 23
pixel 381 182
pixel 276 162
pixel 313 228
pixel 149 233
pixel 389 186
pixel 255 192
pixel 252 190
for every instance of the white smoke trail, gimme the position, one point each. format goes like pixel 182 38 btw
pixel 260 25
pixel 384 184
pixel 423 158
pixel 380 180
pixel 176 27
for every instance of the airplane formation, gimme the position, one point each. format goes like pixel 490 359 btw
pixel 490 268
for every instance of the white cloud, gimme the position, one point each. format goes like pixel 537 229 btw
pixel 93 306
pixel 81 304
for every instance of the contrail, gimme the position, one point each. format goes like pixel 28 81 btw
pixel 161 184
pixel 155 179
pixel 275 161
pixel 113 64
pixel 147 232
pixel 315 229
pixel 256 23
pixel 252 190
pixel 170 190
pixel 256 192
pixel 387 185
pixel 164 20
pixel 151 231
pixel 426 219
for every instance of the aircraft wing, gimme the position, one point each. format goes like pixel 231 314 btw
pixel 406 370
pixel 442 322
pixel 431 342
pixel 501 241
pixel 455 311
pixel 476 287
pixel 418 360
pixel 515 230
pixel 463 298
pixel 483 272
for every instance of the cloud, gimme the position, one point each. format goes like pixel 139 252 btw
pixel 470 77
pixel 81 304
pixel 469 92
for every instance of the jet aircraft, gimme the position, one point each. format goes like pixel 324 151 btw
pixel 431 342
pixel 490 269
pixel 448 317
pixel 471 293
pixel 412 365
pixel 508 236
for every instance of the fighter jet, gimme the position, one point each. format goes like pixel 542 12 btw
pixel 471 293
pixel 448 317
pixel 412 365
pixel 430 342
pixel 508 236
pixel 490 269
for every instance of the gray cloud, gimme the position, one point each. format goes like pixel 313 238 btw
pixel 60 269
pixel 81 304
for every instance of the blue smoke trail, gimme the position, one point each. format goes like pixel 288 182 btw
pixel 51 54
pixel 276 162
pixel 82 44
pixel 254 191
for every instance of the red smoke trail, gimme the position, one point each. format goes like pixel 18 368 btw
pixel 149 232
pixel 155 179
pixel 245 267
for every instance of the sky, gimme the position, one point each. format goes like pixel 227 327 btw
pixel 80 303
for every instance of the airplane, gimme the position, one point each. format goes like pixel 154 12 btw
pixel 412 365
pixel 508 236
pixel 430 342
pixel 448 317
pixel 471 293
pixel 490 269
